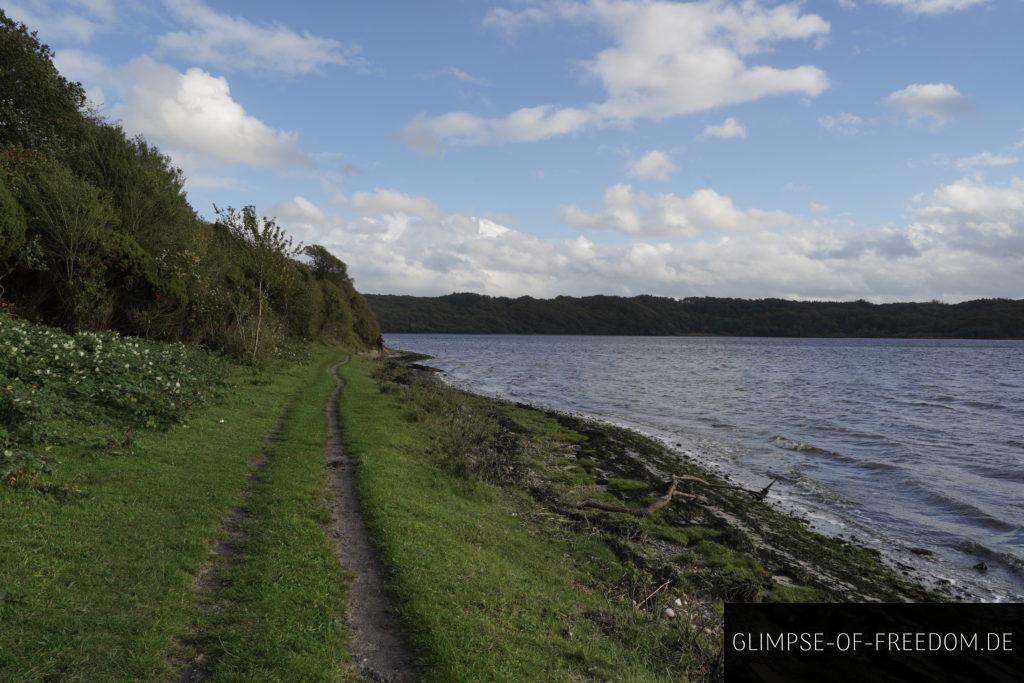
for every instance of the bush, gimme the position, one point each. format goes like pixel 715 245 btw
pixel 45 373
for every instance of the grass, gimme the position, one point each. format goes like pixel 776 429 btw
pixel 483 592
pixel 500 575
pixel 281 613
pixel 98 555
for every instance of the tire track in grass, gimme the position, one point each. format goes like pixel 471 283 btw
pixel 378 647
pixel 226 554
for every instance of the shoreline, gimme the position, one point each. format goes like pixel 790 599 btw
pixel 820 519
pixel 784 542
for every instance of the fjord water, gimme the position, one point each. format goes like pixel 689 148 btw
pixel 915 447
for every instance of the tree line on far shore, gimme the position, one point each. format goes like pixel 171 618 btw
pixel 96 233
pixel 650 315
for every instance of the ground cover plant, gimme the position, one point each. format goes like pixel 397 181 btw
pixel 51 380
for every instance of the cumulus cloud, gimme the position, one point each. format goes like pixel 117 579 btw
pixel 843 122
pixel 227 42
pixel 193 116
pixel 666 59
pixel 937 102
pixel 730 128
pixel 984 159
pixel 654 165
pixel 89 70
pixel 666 214
pixel 386 201
pixel 931 6
pixel 962 240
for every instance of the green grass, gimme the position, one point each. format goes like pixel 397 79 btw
pixel 282 614
pixel 483 593
pixel 96 583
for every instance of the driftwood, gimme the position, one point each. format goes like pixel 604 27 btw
pixel 671 494
pixel 644 511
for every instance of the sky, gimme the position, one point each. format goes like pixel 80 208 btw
pixel 827 149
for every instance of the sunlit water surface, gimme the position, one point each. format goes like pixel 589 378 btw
pixel 902 444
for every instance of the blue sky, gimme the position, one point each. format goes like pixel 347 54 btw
pixel 851 149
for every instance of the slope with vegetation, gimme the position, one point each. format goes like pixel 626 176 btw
pixel 96 233
pixel 528 545
pixel 651 315
pixel 162 384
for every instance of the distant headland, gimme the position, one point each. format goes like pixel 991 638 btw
pixel 467 313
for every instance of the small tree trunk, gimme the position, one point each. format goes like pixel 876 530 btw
pixel 259 322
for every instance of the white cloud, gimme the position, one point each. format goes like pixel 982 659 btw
pixel 77 20
pixel 984 159
pixel 193 117
pixel 524 125
pixel 654 165
pixel 843 122
pixel 666 59
pixel 973 217
pixel 457 74
pixel 931 6
pixel 730 128
pixel 963 240
pixel 92 72
pixel 938 102
pixel 230 42
pixel 384 201
pixel 666 214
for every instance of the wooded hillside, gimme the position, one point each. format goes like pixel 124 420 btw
pixel 96 233
pixel 650 315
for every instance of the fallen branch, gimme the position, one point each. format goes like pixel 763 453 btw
pixel 756 495
pixel 644 511
pixel 670 495
pixel 763 493
pixel 656 591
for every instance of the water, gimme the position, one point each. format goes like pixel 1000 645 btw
pixel 901 444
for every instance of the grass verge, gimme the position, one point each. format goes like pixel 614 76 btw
pixel 505 570
pixel 482 595
pixel 95 582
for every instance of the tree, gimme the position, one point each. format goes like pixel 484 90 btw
pixel 325 265
pixel 74 223
pixel 12 232
pixel 39 108
pixel 266 254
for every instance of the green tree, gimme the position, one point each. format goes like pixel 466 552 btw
pixel 39 108
pixel 12 232
pixel 73 220
pixel 266 255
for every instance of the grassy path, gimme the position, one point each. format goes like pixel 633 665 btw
pixel 379 650
pixel 97 586
pixel 482 594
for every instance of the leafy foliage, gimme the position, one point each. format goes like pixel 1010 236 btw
pixel 97 233
pixel 650 315
pixel 38 107
pixel 46 374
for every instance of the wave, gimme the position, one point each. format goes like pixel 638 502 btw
pixel 967 510
pixel 794 445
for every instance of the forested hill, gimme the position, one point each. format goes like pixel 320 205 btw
pixel 96 233
pixel 650 315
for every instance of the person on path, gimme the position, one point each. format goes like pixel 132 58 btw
pixel 380 344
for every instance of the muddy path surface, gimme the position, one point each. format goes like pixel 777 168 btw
pixel 378 648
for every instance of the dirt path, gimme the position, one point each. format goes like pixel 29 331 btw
pixel 378 648
pixel 210 579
